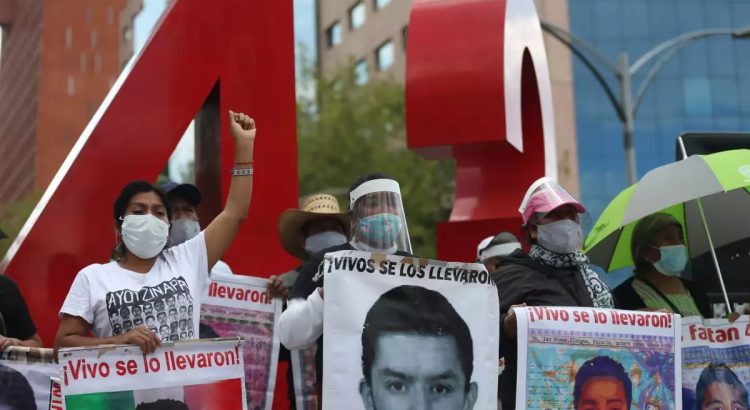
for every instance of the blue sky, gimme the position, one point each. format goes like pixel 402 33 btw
pixel 304 33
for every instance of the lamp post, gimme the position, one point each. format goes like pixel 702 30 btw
pixel 626 104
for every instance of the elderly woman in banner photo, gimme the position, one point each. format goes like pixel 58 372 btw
pixel 660 256
pixel 151 281
pixel 554 273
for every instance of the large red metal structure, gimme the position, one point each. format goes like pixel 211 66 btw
pixel 477 90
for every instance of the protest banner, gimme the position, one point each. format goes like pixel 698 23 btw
pixel 578 358
pixel 25 374
pixel 55 395
pixel 715 363
pixel 235 305
pixel 304 377
pixel 200 374
pixel 399 330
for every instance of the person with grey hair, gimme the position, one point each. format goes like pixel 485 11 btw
pixel 660 256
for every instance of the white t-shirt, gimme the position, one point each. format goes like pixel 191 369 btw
pixel 167 299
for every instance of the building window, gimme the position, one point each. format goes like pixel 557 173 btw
pixel 384 56
pixel 357 15
pixel 334 34
pixel 360 72
pixel 379 4
pixel 83 62
pixel 69 37
pixel 71 85
pixel 94 39
pixel 404 35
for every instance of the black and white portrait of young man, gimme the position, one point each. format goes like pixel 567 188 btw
pixel 417 353
pixel 406 333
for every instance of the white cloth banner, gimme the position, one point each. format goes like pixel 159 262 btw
pixel 25 374
pixel 571 357
pixel 715 363
pixel 200 374
pixel 237 305
pixel 402 332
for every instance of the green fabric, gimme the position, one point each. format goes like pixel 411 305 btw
pixel 730 167
pixel 653 300
pixel 121 400
pixel 732 170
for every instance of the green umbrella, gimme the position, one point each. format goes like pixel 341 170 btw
pixel 695 190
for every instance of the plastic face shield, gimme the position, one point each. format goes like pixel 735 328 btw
pixel 545 195
pixel 378 218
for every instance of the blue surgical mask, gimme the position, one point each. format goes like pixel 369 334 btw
pixel 380 230
pixel 673 260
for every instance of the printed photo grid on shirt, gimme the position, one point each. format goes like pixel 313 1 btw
pixel 166 309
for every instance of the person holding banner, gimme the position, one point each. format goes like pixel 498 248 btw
pixel 151 276
pixel 378 224
pixel 554 273
pixel 497 249
pixel 16 326
pixel 318 225
pixel 660 256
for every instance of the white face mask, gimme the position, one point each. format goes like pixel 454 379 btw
pixel 322 240
pixel 144 235
pixel 563 237
pixel 184 229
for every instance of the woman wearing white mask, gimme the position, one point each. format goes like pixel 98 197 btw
pixel 660 256
pixel 555 272
pixel 149 278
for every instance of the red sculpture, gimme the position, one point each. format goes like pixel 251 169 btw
pixel 242 50
pixel 478 91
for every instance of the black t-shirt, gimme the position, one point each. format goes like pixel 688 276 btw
pixel 15 320
pixel 304 286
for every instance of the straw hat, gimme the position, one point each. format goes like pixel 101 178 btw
pixel 291 221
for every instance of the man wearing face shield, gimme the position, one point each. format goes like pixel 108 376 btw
pixel 378 224
pixel 555 272
pixel 184 200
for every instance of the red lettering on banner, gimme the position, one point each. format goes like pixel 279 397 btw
pixel 81 369
pixel 201 360
pixel 714 335
pixel 545 313
pixel 663 320
pixel 216 290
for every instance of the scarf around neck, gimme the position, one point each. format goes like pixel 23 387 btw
pixel 598 290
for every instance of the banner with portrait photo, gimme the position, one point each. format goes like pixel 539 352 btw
pixel 25 374
pixel 399 331
pixel 304 377
pixel 581 358
pixel 715 363
pixel 236 305
pixel 201 374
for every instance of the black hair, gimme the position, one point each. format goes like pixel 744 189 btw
pixel 718 373
pixel 15 390
pixel 132 189
pixel 163 404
pixel 369 177
pixel 121 205
pixel 420 311
pixel 602 366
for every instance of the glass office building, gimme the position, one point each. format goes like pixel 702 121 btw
pixel 704 87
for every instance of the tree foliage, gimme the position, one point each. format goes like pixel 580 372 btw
pixel 346 130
